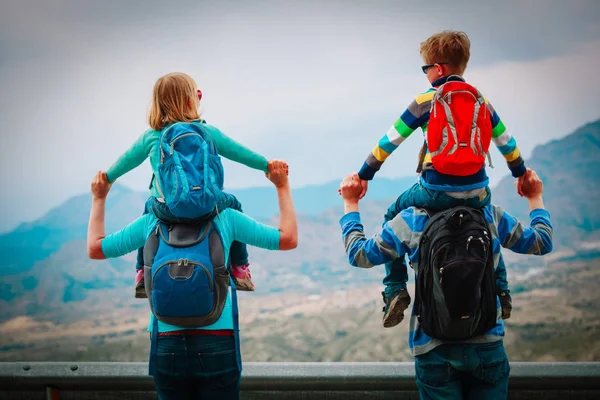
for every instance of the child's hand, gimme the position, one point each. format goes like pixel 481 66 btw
pixel 272 162
pixel 532 185
pixel 278 173
pixel 100 185
pixel 519 182
pixel 351 188
pixel 364 187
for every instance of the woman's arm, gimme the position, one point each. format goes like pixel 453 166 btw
pixel 249 231
pixel 288 226
pixel 126 240
pixel 96 231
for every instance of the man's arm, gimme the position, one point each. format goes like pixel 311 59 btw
pixel 535 239
pixel 415 116
pixel 506 144
pixel 383 247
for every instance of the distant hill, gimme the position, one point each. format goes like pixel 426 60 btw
pixel 261 202
pixel 34 241
pixel 570 169
pixel 46 271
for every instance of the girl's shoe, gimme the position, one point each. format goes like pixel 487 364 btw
pixel 242 278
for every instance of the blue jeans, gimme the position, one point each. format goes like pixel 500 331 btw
pixel 196 367
pixel 238 253
pixel 396 272
pixel 463 371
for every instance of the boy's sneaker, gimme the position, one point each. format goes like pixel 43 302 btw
pixel 506 304
pixel 242 278
pixel 140 290
pixel 393 311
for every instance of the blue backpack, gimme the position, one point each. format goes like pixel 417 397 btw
pixel 190 174
pixel 185 275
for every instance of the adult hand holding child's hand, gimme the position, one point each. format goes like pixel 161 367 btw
pixel 351 188
pixel 278 173
pixel 529 185
pixel 100 185
pixel 271 164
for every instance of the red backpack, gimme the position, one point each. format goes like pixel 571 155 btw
pixel 460 129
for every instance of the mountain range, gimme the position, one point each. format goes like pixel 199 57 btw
pixel 46 274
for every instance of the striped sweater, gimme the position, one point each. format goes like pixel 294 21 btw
pixel 401 236
pixel 417 116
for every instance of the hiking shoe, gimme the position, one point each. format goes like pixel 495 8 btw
pixel 242 278
pixel 140 289
pixel 506 304
pixel 393 311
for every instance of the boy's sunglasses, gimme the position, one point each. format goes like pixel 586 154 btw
pixel 199 94
pixel 427 66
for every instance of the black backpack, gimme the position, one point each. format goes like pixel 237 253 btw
pixel 455 287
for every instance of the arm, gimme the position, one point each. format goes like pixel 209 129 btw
pixel 535 239
pixel 234 151
pixel 96 231
pixel 119 243
pixel 132 158
pixel 288 228
pixel 506 144
pixel 381 248
pixel 415 116
pixel 247 230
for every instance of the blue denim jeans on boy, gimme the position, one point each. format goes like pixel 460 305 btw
pixel 238 251
pixel 396 272
pixel 196 367
pixel 463 371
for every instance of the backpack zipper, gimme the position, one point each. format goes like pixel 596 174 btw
pixel 185 262
pixel 172 144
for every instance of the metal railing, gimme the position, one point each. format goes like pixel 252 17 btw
pixel 573 380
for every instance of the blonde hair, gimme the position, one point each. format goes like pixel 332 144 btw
pixel 452 47
pixel 174 99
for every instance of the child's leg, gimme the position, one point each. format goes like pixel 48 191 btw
pixel 238 253
pixel 396 272
pixel 395 295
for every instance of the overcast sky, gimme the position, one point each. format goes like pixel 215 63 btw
pixel 314 82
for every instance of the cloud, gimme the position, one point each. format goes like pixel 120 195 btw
pixel 316 83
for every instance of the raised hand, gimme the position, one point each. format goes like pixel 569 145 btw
pixel 351 188
pixel 532 186
pixel 100 185
pixel 271 164
pixel 278 173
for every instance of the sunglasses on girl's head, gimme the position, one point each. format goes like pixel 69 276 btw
pixel 426 67
pixel 199 94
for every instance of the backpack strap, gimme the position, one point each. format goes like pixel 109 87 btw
pixel 236 325
pixel 153 346
pixel 422 154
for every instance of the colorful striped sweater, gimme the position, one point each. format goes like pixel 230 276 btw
pixel 401 236
pixel 417 116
